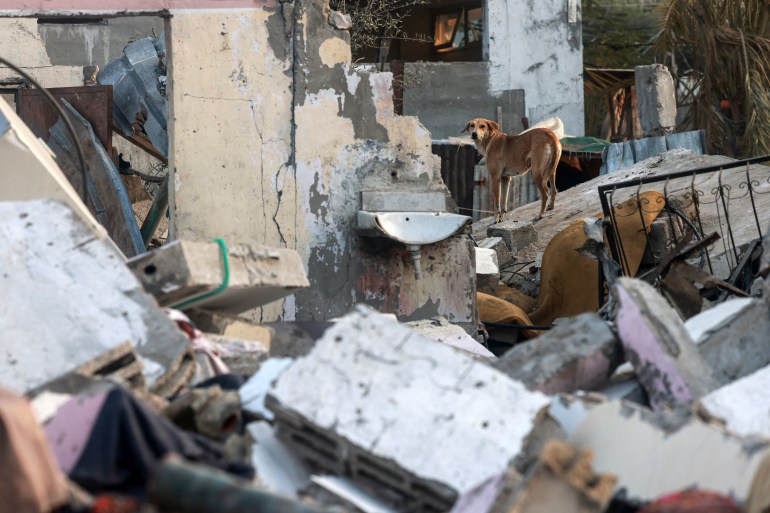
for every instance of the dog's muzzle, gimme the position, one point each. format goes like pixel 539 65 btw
pixel 474 135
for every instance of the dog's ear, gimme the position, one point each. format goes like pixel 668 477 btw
pixel 467 127
pixel 494 126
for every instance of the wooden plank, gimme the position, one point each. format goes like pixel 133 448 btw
pixel 142 142
pixel 94 103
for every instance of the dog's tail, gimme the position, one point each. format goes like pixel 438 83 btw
pixel 553 162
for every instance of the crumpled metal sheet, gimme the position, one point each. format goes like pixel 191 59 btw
pixel 136 80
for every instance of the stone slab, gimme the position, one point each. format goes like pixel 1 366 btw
pixel 658 453
pixel 516 234
pixel 733 337
pixel 231 326
pixel 403 201
pixel 657 344
pixel 69 298
pixel 744 405
pixel 579 354
pixel 441 330
pixel 402 414
pixel 183 270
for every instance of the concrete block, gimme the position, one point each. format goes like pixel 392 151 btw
pixel 414 420
pixel 657 344
pixel 183 270
pixel 563 480
pixel 658 453
pixel 743 404
pixel 487 270
pixel 231 326
pixel 732 337
pixel 241 356
pixel 441 330
pixel 516 234
pixel 655 93
pixel 504 256
pixel 403 201
pixel 578 354
pixel 69 299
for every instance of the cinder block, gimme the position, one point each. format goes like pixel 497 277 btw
pixel 69 300
pixel 504 256
pixel 403 415
pixel 732 337
pixel 579 354
pixel 657 344
pixel 654 453
pixel 517 235
pixel 183 270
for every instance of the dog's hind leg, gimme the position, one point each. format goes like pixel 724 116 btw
pixel 542 187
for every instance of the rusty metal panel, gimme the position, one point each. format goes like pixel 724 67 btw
pixel 94 103
pixel 457 161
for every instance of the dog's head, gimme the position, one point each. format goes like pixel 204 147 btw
pixel 481 128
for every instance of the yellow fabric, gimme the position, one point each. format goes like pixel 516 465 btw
pixel 493 309
pixel 569 283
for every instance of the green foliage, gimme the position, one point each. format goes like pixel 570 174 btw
pixel 375 19
pixel 618 35
pixel 725 48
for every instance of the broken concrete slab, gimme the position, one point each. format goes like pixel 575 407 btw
pixel 242 356
pixel 420 422
pixel 71 299
pixel 732 337
pixel 563 480
pixel 579 354
pixel 231 326
pixel 504 256
pixel 441 330
pixel 743 404
pixel 657 453
pixel 243 277
pixel 487 271
pixel 657 344
pixel 517 235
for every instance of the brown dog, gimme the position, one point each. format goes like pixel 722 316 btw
pixel 511 155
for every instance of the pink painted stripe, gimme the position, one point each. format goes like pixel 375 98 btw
pixel 119 6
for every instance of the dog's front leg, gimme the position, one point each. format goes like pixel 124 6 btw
pixel 506 184
pixel 494 183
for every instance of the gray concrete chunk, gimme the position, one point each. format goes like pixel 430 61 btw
pixel 404 415
pixel 733 337
pixel 657 344
pixel 183 270
pixel 517 235
pixel 503 253
pixel 578 354
pixel 68 298
pixel 744 405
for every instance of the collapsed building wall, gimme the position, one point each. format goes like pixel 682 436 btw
pixel 273 138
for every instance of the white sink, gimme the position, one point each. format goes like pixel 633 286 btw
pixel 414 229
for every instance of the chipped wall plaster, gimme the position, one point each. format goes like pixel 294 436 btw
pixel 533 46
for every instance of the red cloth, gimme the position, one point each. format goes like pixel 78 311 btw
pixel 692 501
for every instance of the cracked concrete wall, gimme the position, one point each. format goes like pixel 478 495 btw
pixel 273 138
pixel 22 45
pixel 536 45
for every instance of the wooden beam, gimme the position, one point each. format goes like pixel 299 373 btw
pixel 141 142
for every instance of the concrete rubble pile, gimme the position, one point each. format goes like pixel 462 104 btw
pixel 369 414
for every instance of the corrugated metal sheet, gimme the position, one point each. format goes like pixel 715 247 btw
pixel 457 162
